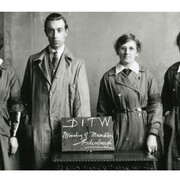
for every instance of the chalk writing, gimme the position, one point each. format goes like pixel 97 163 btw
pixel 71 123
pixel 87 133
pixel 94 144
pixel 105 135
pixel 67 135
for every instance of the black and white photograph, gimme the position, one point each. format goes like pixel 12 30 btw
pixel 89 90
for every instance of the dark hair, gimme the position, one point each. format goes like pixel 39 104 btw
pixel 53 17
pixel 124 39
pixel 178 40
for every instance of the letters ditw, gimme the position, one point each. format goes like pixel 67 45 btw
pixel 73 123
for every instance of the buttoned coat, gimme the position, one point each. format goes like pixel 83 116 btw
pixel 48 100
pixel 119 96
pixel 171 102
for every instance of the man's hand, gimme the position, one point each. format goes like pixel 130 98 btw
pixel 152 143
pixel 13 145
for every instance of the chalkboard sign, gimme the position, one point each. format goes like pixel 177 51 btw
pixel 87 134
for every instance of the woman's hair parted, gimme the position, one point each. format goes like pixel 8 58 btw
pixel 124 39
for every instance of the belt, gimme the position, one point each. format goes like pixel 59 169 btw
pixel 139 109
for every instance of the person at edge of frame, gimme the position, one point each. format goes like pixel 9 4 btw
pixel 129 93
pixel 55 85
pixel 171 111
pixel 10 114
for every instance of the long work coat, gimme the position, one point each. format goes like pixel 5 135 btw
pixel 49 99
pixel 171 102
pixel 120 96
pixel 9 88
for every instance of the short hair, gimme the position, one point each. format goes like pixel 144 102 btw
pixel 53 17
pixel 178 40
pixel 124 39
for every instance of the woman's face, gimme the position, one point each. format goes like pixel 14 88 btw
pixel 128 52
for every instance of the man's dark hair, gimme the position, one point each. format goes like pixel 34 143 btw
pixel 178 40
pixel 124 39
pixel 53 17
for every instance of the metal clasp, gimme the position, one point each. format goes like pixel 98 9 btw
pixel 138 110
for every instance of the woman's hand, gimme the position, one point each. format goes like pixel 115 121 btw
pixel 152 143
pixel 167 113
pixel 13 145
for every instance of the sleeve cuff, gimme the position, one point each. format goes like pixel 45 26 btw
pixel 153 131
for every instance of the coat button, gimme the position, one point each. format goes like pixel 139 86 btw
pixel 50 93
pixel 174 90
pixel 119 95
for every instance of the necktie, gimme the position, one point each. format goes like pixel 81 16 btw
pixel 54 62
pixel 127 71
pixel 55 59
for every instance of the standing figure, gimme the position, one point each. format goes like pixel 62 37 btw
pixel 10 112
pixel 55 86
pixel 171 112
pixel 129 93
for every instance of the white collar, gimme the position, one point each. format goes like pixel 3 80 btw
pixel 134 67
pixel 178 69
pixel 60 50
pixel 1 61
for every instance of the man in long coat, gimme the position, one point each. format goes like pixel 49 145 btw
pixel 55 86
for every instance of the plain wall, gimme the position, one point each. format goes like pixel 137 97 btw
pixel 92 36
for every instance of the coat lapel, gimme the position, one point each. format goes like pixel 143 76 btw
pixel 45 69
pixel 175 74
pixel 125 81
pixel 177 77
pixel 42 60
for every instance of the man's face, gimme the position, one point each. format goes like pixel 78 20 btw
pixel 128 52
pixel 56 33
